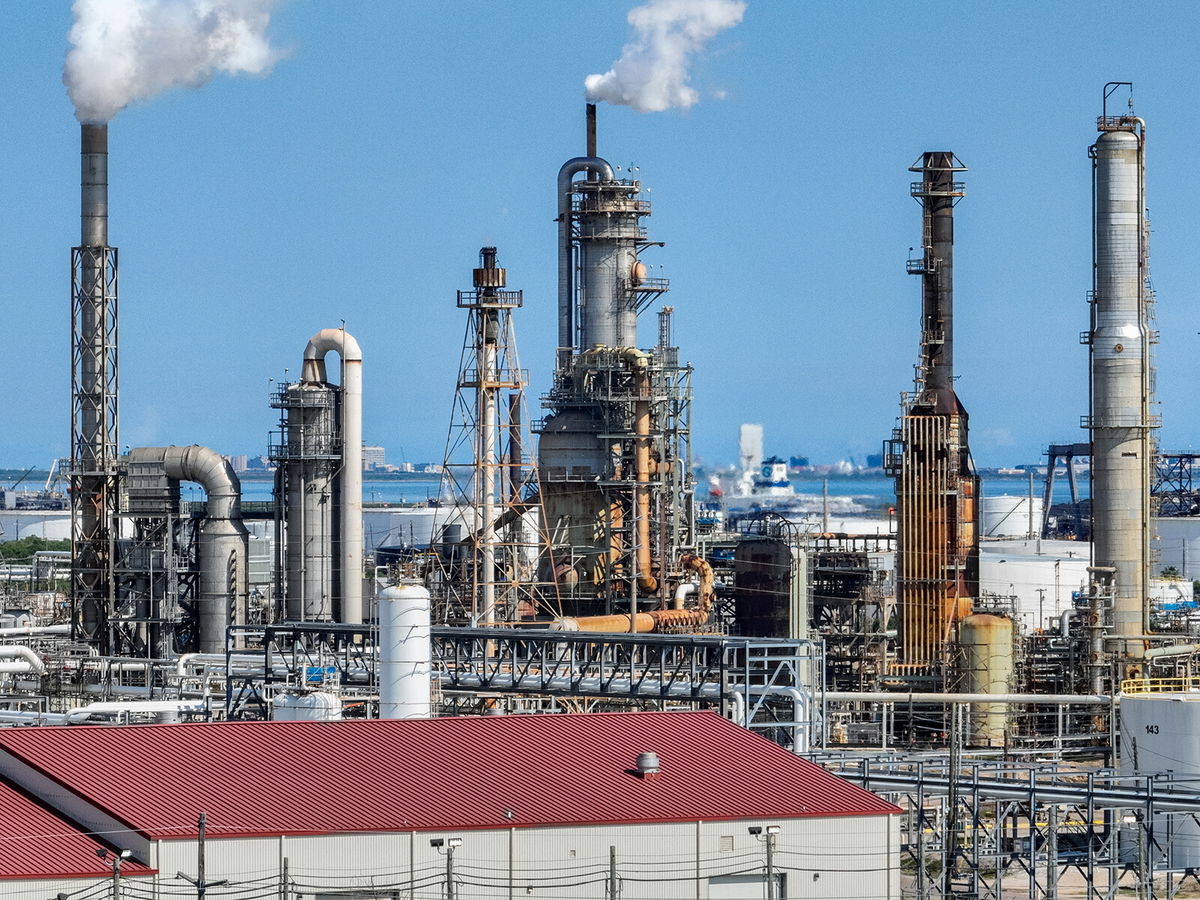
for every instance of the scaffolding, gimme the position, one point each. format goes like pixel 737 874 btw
pixel 94 473
pixel 993 828
pixel 488 575
pixel 640 415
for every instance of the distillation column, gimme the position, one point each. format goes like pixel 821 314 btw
pixel 94 402
pixel 1121 375
pixel 610 450
pixel 320 455
pixel 936 484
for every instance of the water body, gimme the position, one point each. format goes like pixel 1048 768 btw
pixel 872 491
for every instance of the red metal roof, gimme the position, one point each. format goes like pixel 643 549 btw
pixel 268 778
pixel 35 843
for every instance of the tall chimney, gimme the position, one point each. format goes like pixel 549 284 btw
pixel 94 400
pixel 591 129
pixel 93 210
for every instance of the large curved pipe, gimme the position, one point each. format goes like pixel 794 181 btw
pixel 566 266
pixel 656 619
pixel 224 540
pixel 27 659
pixel 351 515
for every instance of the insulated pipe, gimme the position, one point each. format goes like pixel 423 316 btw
pixel 704 569
pixel 1177 650
pixel 681 594
pixel 34 630
pixel 351 517
pixel 30 661
pixel 566 265
pixel 940 697
pixel 224 540
pixel 1064 622
pixel 618 623
pixel 117 707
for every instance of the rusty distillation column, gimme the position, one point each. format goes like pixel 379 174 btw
pixel 929 456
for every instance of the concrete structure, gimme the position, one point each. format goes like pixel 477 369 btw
pixel 544 806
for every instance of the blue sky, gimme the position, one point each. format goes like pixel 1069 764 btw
pixel 358 181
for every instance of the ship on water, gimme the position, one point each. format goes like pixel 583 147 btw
pixel 761 485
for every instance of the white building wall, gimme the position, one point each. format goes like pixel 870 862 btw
pixel 819 858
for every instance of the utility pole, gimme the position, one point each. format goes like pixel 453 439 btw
pixel 612 873
pixel 201 884
pixel 772 892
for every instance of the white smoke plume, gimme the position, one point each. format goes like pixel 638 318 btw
pixel 127 50
pixel 652 73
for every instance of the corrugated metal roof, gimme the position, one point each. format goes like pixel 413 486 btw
pixel 256 778
pixel 35 843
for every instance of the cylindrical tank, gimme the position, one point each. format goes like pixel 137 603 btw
pixel 404 653
pixel 1161 732
pixel 608 232
pixel 1120 380
pixel 1008 516
pixel 987 648
pixel 306 706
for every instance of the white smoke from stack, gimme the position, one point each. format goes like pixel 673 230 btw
pixel 652 73
pixel 127 50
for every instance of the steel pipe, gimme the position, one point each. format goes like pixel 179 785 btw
pixel 224 540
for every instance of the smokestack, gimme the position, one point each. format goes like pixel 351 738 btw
pixel 937 287
pixel 591 129
pixel 94 396
pixel 93 210
pixel 937 566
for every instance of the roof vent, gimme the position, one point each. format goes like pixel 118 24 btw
pixel 647 764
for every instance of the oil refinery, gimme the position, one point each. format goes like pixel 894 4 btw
pixel 572 564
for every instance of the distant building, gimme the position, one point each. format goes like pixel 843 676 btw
pixel 240 462
pixel 373 457
pixel 797 462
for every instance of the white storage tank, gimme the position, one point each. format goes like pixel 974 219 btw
pixel 306 706
pixel 1008 516
pixel 1160 731
pixel 404 653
